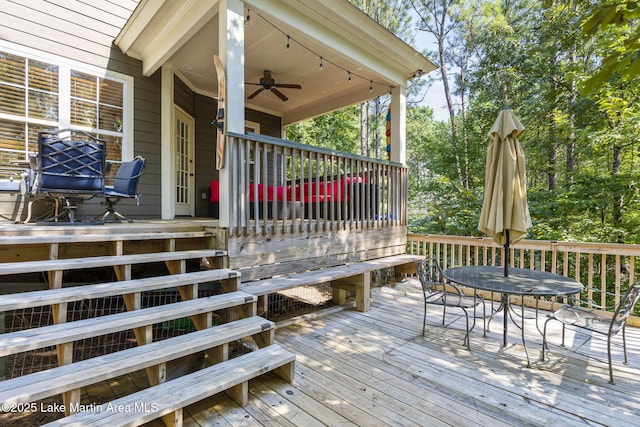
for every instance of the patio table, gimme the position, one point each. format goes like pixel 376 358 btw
pixel 520 281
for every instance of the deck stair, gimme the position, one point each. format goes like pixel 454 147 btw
pixel 219 321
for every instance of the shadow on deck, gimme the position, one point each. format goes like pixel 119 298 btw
pixel 375 368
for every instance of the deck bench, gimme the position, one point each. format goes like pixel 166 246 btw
pixel 355 277
pixel 168 399
pixel 65 378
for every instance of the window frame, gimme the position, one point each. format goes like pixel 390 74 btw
pixel 65 68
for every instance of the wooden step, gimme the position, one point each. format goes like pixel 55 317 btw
pixel 40 385
pixel 168 399
pixel 7 268
pixel 101 290
pixel 30 339
pixel 50 238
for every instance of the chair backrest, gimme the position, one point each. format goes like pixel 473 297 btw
pixel 70 164
pixel 625 308
pixel 126 180
pixel 430 275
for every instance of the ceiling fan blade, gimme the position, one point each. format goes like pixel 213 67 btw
pixel 279 94
pixel 254 94
pixel 253 84
pixel 290 86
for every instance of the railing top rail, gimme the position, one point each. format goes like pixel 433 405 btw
pixel 583 247
pixel 296 145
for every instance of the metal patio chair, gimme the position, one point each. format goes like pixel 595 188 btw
pixel 125 187
pixel 69 169
pixel 447 295
pixel 593 319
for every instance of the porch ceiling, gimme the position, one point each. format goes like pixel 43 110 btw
pixel 185 35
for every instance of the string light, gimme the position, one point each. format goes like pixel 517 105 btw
pixel 322 59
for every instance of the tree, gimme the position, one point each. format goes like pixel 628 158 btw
pixel 624 58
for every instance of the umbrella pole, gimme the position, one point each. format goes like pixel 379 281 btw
pixel 506 255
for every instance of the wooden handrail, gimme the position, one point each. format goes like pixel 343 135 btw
pixel 283 187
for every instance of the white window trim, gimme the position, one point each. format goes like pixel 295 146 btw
pixel 64 91
pixel 252 125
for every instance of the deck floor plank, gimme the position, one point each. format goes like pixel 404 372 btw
pixel 375 368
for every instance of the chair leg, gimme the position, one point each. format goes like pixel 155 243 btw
pixel 609 357
pixel 424 320
pixel 624 344
pixel 544 339
pixel 467 340
pixel 111 212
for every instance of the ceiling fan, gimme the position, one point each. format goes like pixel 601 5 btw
pixel 268 83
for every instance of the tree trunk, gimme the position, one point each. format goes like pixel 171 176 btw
pixel 618 197
pixel 364 131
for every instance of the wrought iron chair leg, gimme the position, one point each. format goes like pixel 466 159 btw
pixel 624 345
pixel 424 320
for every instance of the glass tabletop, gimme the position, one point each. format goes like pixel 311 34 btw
pixel 520 281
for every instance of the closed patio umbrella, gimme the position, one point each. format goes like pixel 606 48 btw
pixel 505 214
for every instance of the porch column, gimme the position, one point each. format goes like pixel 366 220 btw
pixel 399 125
pixel 167 148
pixel 231 52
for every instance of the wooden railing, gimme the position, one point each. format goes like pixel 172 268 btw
pixel 290 188
pixel 601 267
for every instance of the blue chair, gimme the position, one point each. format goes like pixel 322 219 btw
pixel 69 169
pixel 125 187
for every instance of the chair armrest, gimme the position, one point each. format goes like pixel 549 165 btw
pixel 585 301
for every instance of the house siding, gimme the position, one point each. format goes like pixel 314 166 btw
pixel 84 33
pixel 269 125
pixel 205 112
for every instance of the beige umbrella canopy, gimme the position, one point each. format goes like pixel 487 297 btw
pixel 505 214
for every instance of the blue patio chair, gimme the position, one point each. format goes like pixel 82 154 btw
pixel 593 319
pixel 69 169
pixel 447 295
pixel 125 187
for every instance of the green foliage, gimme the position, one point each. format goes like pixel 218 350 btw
pixel 568 69
pixel 618 22
pixel 338 131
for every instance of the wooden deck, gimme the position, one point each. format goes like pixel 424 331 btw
pixel 375 369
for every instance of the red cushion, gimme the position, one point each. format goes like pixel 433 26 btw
pixel 214 189
pixel 278 190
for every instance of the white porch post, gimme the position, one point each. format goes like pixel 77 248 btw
pixel 399 125
pixel 167 163
pixel 231 52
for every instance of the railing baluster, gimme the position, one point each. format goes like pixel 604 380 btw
pixel 614 268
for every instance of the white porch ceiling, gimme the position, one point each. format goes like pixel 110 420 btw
pixel 376 59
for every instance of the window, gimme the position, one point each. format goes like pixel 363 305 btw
pixel 38 94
